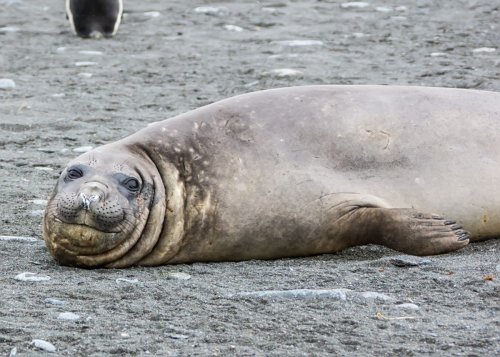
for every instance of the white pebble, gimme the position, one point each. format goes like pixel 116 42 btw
pixel 85 74
pixel 39 202
pixel 233 28
pixel 151 14
pixel 336 294
pixel 438 54
pixel 57 302
pixel 354 4
pixel 286 72
pixel 82 149
pixel 287 55
pixel 179 276
pixel 251 84
pixel 484 50
pixel 269 9
pixel 68 316
pixel 126 280
pixel 44 168
pixel 211 10
pixel 85 64
pixel 32 277
pixel 59 95
pixel 60 49
pixel 18 239
pixel 401 8
pixel 8 29
pixel 299 43
pixel 408 306
pixel 359 34
pixel 91 53
pixel 383 9
pixel 44 345
pixel 6 83
pixel 37 213
pixel 372 295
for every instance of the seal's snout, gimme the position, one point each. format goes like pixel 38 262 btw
pixel 90 193
pixel 86 201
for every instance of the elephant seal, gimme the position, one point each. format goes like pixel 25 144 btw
pixel 94 18
pixel 285 173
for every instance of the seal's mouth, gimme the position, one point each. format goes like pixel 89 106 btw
pixel 81 239
pixel 86 226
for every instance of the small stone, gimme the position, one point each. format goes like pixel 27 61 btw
pixel 335 294
pixel 408 261
pixel 285 72
pixel 39 202
pixel 233 28
pixel 61 49
pixel 484 50
pixel 152 14
pixel 498 268
pixel 44 345
pixel 47 150
pixel 37 213
pixel 177 336
pixel 31 277
pixel 407 306
pixel 383 9
pixel 85 64
pixel 210 10
pixel 18 239
pixel 438 54
pixel 57 302
pixel 372 295
pixel 251 84
pixel 85 74
pixel 59 95
pixel 13 352
pixel 126 280
pixel 269 9
pixel 68 316
pixel 91 53
pixel 179 276
pixel 82 149
pixel 9 29
pixel 359 34
pixel 11 2
pixel 354 5
pixel 300 43
pixel 6 84
pixel 44 168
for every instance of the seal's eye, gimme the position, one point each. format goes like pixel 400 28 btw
pixel 74 174
pixel 132 184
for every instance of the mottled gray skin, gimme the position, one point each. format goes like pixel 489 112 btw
pixel 289 172
pixel 94 18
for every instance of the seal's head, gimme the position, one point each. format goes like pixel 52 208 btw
pixel 103 203
pixel 94 18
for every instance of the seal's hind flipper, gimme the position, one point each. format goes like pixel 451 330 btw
pixel 413 232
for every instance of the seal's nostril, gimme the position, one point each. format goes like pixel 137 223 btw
pixel 86 200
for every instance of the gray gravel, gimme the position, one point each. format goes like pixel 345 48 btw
pixel 71 94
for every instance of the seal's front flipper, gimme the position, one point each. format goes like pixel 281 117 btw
pixel 412 232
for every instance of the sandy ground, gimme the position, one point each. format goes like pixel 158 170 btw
pixel 167 59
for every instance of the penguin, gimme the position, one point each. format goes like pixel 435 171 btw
pixel 94 18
